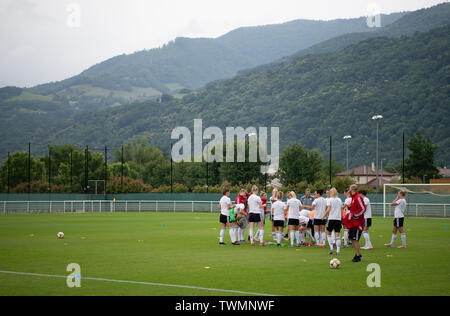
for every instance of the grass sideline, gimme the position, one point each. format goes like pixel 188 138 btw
pixel 175 248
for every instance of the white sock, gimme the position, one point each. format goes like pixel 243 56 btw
pixel 241 234
pixel 261 235
pixel 292 234
pixel 323 238
pixel 394 236
pixel 403 236
pixel 338 245
pixel 297 236
pixel 303 237
pixel 257 234
pixel 274 235
pixel 333 238
pixel 330 242
pixel 309 235
pixel 232 235
pixel 250 233
pixel 278 237
pixel 367 239
pixel 345 236
pixel 222 233
pixel 316 235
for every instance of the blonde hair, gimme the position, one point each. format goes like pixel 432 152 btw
pixel 333 192
pixel 280 195
pixel 254 188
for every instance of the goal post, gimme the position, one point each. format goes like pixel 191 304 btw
pixel 434 196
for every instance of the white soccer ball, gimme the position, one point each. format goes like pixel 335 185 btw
pixel 60 235
pixel 335 263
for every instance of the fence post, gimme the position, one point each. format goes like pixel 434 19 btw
pixel 417 209
pixel 139 206
pixel 156 206
pixel 174 205
pixel 211 205
pixel 84 206
pixel 100 201
pixel 445 210
pixel 50 206
pixel 126 206
pixel 192 206
pixel 4 207
pixel 28 207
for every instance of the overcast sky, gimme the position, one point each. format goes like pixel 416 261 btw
pixel 51 40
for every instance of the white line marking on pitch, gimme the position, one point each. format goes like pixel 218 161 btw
pixel 139 282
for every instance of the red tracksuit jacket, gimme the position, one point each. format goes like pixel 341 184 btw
pixel 355 219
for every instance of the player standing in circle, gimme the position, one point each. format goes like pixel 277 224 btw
pixel 346 210
pixel 307 201
pixel 354 221
pixel 273 199
pixel 263 211
pixel 241 221
pixel 278 208
pixel 334 214
pixel 319 207
pixel 225 207
pixel 255 205
pixel 399 217
pixel 293 208
pixel 367 221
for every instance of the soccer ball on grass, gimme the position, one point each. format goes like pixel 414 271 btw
pixel 60 235
pixel 335 263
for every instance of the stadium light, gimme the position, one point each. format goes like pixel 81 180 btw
pixel 347 139
pixel 377 119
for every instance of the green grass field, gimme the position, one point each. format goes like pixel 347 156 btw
pixel 137 247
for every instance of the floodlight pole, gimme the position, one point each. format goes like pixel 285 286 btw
pixel 403 165
pixel 8 166
pixel 171 167
pixel 347 139
pixel 377 118
pixel 330 160
pixel 106 170
pixel 29 168
pixel 49 169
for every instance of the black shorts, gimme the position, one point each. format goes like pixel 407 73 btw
pixel 310 224
pixel 224 219
pixel 354 234
pixel 368 222
pixel 398 222
pixel 319 222
pixel 293 222
pixel 278 223
pixel 334 225
pixel 255 218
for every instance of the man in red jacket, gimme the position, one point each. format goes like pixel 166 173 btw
pixel 354 221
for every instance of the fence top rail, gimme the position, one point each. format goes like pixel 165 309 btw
pixel 177 201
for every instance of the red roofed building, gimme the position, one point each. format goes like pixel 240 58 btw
pixel 365 175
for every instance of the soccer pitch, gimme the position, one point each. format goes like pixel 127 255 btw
pixel 178 254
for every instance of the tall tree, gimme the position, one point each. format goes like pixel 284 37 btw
pixel 298 164
pixel 420 162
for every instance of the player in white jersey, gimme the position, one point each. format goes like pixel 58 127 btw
pixel 367 220
pixel 255 205
pixel 399 216
pixel 224 207
pixel 346 210
pixel 273 199
pixel 307 214
pixel 293 208
pixel 278 211
pixel 319 208
pixel 334 223
pixel 263 213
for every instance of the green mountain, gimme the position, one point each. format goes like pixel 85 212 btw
pixel 190 63
pixel 311 98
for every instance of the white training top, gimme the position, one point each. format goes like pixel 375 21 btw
pixel 305 213
pixel 278 211
pixel 321 207
pixel 294 207
pixel 347 203
pixel 303 220
pixel 224 202
pixel 400 208
pixel 253 205
pixel 335 208
pixel 368 213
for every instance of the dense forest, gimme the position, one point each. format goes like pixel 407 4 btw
pixel 309 97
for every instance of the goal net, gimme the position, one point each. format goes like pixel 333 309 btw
pixel 427 200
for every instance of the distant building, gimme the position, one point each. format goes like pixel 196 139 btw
pixel 366 176
pixel 444 172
